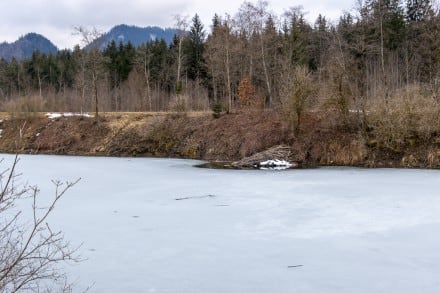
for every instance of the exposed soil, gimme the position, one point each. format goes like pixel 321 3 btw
pixel 199 136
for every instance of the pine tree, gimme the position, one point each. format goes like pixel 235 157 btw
pixel 111 52
pixel 418 10
pixel 319 43
pixel 385 23
pixel 66 70
pixel 394 24
pixel 295 42
pixel 195 47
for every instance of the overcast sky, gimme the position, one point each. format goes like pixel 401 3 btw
pixel 55 19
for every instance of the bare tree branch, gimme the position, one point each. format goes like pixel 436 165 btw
pixel 31 254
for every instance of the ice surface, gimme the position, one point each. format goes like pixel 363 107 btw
pixel 160 225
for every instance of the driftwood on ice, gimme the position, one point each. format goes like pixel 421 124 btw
pixel 278 154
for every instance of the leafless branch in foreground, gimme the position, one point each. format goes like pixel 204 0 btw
pixel 31 253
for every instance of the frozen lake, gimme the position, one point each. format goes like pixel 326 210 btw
pixel 161 225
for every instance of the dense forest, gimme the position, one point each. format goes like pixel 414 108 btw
pixel 383 54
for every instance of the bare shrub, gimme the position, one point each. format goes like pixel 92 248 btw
pixel 405 118
pixel 338 96
pixel 54 101
pixel 433 158
pixel 30 251
pixel 24 107
pixel 345 153
pixel 199 96
pixel 184 103
pixel 180 103
pixel 297 95
pixel 409 161
pixel 199 104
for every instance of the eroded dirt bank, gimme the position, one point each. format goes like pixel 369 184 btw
pixel 199 136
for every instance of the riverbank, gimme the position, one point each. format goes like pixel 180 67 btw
pixel 200 136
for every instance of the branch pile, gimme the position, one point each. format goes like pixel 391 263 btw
pixel 280 152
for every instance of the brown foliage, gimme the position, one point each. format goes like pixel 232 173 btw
pixel 405 119
pixel 247 97
pixel 24 107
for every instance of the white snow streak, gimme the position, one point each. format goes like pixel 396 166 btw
pixel 59 115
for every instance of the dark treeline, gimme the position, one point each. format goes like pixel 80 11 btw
pixel 253 59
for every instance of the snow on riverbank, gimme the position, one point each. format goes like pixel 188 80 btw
pixel 58 115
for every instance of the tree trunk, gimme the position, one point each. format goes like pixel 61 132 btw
pixel 228 78
pixel 266 74
pixel 95 93
pixel 179 66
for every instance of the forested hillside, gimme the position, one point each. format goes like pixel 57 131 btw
pixel 383 46
pixel 135 35
pixel 375 70
pixel 25 46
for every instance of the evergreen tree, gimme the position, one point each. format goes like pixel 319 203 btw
pixel 126 58
pixel 296 39
pixel 35 70
pixel 120 61
pixel 111 52
pixel 216 22
pixel 66 69
pixel 319 43
pixel 418 10
pixel 196 66
pixel 385 23
pixel 423 39
pixel 394 24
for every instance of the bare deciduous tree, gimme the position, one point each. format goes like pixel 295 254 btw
pixel 221 47
pixel 253 20
pixel 181 27
pixel 94 60
pixel 297 95
pixel 30 251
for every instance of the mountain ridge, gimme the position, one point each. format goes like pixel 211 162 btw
pixel 25 46
pixel 136 35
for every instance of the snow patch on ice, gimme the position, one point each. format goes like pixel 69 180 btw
pixel 275 165
pixel 58 115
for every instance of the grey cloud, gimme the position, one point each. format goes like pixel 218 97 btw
pixel 55 18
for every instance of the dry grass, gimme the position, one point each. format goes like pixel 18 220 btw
pixel 404 120
pixel 24 107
